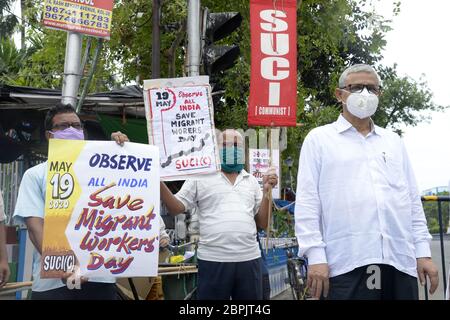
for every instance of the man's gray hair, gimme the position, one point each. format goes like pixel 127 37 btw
pixel 356 69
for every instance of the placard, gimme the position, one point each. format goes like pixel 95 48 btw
pixel 180 121
pixel 259 160
pixel 101 209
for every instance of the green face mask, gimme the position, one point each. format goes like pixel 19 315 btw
pixel 232 159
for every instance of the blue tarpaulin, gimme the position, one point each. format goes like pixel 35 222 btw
pixel 284 203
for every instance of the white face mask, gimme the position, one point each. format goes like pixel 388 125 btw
pixel 362 105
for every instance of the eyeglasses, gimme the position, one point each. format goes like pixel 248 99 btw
pixel 66 125
pixel 358 88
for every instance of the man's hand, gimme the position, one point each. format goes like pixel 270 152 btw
pixel 270 179
pixel 194 238
pixel 4 272
pixel 426 267
pixel 119 137
pixel 318 280
pixel 164 242
pixel 71 279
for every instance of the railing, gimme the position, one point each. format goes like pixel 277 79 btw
pixel 9 184
pixel 10 178
pixel 276 262
pixel 439 199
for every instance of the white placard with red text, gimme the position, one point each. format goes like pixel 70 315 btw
pixel 180 121
pixel 259 160
pixel 101 209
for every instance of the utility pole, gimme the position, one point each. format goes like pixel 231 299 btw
pixel 72 76
pixel 23 6
pixel 193 30
pixel 156 43
pixel 448 222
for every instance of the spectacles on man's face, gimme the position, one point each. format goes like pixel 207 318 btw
pixel 66 125
pixel 358 88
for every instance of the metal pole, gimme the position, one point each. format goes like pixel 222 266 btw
pixel 441 236
pixel 193 30
pixel 448 222
pixel 133 288
pixel 71 81
pixel 290 177
pixel 156 43
pixel 88 81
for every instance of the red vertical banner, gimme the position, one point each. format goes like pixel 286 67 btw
pixel 273 83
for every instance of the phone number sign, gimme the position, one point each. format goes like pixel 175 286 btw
pixel 89 17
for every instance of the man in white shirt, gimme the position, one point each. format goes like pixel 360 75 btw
pixel 230 206
pixel 61 123
pixel 4 268
pixel 358 214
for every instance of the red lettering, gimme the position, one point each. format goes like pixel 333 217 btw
pixel 108 202
pixel 98 201
pixel 86 218
pixel 193 162
pixel 87 243
pixel 120 204
pixel 124 243
pixel 134 244
pixel 183 94
pixel 114 203
pixel 136 204
pixel 120 264
pixel 95 262
pixel 117 265
pixel 150 247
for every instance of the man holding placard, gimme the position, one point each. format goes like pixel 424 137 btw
pixel 61 123
pixel 230 206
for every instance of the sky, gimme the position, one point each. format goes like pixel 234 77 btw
pixel 419 45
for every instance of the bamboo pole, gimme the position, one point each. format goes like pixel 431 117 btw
pixel 179 268
pixel 269 195
pixel 177 272
pixel 15 285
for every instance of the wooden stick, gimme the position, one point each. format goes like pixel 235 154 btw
pixel 127 292
pixel 177 273
pixel 180 268
pixel 16 285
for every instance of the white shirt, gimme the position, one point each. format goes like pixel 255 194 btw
pixel 447 293
pixel 357 201
pixel 226 215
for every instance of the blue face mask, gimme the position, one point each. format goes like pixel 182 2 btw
pixel 232 159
